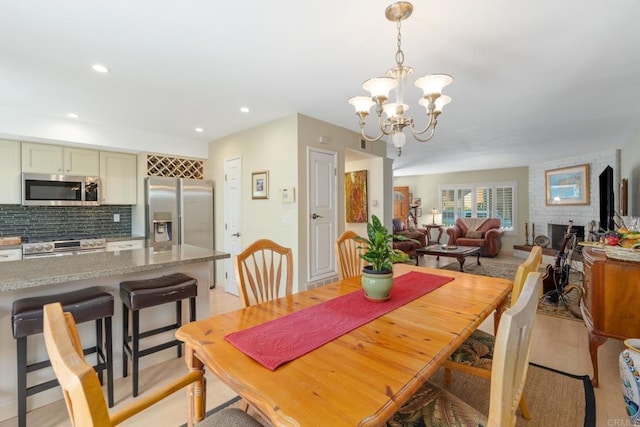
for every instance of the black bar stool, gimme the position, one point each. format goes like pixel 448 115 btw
pixel 139 294
pixel 94 303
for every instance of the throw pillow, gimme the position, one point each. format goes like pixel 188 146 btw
pixel 474 234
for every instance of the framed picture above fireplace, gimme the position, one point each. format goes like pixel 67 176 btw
pixel 567 186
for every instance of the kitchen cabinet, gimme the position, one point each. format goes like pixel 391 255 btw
pixel 10 254
pixel 11 190
pixel 118 178
pixel 125 245
pixel 59 160
pixel 610 302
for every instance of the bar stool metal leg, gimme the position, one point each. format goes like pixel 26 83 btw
pixel 109 351
pixel 22 381
pixel 136 348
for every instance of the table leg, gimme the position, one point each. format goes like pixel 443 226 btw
pixel 595 341
pixel 460 259
pixel 196 392
pixel 502 307
pixel 478 260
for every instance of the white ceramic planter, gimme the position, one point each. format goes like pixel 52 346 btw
pixel 629 362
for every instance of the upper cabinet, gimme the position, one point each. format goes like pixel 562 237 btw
pixel 118 178
pixel 11 191
pixel 59 160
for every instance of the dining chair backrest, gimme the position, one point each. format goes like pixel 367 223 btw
pixel 348 251
pixel 79 382
pixel 511 354
pixel 530 265
pixel 264 270
pixel 83 393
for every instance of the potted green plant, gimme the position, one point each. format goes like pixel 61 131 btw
pixel 377 277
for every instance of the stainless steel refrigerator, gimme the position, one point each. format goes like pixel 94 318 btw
pixel 178 211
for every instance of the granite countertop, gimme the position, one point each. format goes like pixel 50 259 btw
pixel 34 272
pixel 122 238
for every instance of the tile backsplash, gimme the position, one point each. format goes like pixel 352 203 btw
pixel 64 221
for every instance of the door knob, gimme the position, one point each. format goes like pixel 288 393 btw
pixel 315 216
pixel 235 235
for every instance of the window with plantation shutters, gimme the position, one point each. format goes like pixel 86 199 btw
pixel 504 206
pixel 481 200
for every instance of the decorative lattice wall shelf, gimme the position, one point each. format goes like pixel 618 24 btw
pixel 172 167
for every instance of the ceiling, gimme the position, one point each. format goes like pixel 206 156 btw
pixel 533 80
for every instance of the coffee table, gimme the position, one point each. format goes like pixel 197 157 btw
pixel 457 252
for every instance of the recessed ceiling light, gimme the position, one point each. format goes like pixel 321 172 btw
pixel 100 68
pixel 72 115
pixel 199 130
pixel 244 109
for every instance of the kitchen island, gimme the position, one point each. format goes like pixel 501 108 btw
pixel 51 275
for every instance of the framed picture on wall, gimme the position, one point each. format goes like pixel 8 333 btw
pixel 260 185
pixel 355 188
pixel 567 186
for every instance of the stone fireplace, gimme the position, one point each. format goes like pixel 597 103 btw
pixel 557 232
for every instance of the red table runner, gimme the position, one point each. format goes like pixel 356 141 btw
pixel 284 339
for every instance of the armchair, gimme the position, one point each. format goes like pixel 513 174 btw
pixel 408 247
pixel 482 232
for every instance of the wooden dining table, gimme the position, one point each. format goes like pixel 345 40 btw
pixel 360 378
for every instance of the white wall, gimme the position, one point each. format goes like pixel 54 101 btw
pixel 270 147
pixel 281 148
pixel 630 169
pixel 541 215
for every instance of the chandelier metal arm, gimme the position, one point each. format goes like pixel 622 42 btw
pixel 433 132
pixel 385 127
pixel 432 122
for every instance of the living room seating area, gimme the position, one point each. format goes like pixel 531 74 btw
pixel 483 232
pixel 407 246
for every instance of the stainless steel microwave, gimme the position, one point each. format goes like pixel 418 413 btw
pixel 60 190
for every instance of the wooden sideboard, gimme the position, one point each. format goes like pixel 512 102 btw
pixel 610 305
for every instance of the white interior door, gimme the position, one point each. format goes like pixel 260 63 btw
pixel 232 220
pixel 322 212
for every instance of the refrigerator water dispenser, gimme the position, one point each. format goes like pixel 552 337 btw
pixel 162 230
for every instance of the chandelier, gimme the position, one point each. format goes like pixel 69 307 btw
pixel 394 121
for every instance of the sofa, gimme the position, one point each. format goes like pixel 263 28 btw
pixel 482 232
pixel 408 247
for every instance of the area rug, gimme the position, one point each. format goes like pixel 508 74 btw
pixel 554 398
pixel 508 271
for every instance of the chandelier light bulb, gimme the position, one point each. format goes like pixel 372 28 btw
pixel 394 120
pixel 441 102
pixel 380 87
pixel 394 110
pixel 433 83
pixel 362 104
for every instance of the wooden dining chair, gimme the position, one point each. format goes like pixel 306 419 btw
pixel 437 407
pixel 264 270
pixel 348 251
pixel 475 355
pixel 81 388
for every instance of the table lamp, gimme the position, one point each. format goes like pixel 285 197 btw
pixel 434 212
